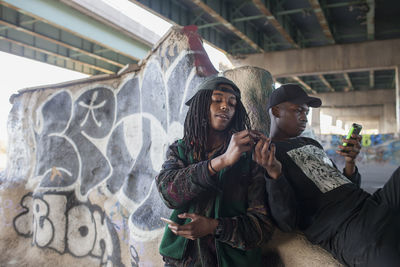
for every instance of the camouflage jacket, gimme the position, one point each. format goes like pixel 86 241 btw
pixel 235 195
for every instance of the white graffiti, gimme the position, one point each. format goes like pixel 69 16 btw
pixel 91 107
pixel 107 140
pixel 81 230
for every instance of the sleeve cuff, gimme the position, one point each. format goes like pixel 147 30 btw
pixel 204 177
pixel 354 173
pixel 355 177
pixel 280 180
pixel 224 227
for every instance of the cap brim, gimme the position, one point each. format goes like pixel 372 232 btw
pixel 189 101
pixel 234 92
pixel 313 102
pixel 212 83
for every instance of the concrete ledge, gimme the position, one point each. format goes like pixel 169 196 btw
pixel 295 250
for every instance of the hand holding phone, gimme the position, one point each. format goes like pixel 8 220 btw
pixel 355 129
pixel 256 135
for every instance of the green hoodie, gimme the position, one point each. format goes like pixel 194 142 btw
pixel 240 245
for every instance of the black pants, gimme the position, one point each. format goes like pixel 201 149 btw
pixel 373 236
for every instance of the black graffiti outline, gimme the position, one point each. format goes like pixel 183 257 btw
pixel 134 257
pixel 91 107
pixel 41 219
pixel 72 202
pixel 26 210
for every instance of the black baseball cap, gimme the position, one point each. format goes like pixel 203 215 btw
pixel 292 93
pixel 212 84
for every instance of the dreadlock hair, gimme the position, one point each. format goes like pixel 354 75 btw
pixel 197 123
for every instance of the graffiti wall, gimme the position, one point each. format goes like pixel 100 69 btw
pixel 79 185
pixel 83 158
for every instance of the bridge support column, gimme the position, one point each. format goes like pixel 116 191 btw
pixel 315 121
pixel 397 77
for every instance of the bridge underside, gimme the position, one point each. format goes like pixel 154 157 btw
pixel 55 33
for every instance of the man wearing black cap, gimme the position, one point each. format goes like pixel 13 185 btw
pixel 306 192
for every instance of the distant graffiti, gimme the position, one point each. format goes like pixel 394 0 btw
pixel 376 149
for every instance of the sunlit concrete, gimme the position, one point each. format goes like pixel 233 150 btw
pixel 57 13
pixel 108 15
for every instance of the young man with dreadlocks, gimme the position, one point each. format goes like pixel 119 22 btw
pixel 216 190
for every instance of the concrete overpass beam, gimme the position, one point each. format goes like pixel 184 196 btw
pixel 357 98
pixel 71 20
pixel 106 14
pixel 341 58
pixel 354 113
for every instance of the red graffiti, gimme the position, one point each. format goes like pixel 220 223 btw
pixel 203 64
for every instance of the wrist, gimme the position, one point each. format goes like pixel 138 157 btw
pixel 274 175
pixel 223 161
pixel 211 168
pixel 349 169
pixel 218 227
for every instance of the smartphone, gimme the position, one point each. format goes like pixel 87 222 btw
pixel 355 129
pixel 168 221
pixel 255 135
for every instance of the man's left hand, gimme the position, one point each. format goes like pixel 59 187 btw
pixel 351 151
pixel 199 226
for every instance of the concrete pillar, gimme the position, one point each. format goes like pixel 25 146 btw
pixel 382 125
pixel 397 77
pixel 389 118
pixel 315 121
pixel 334 118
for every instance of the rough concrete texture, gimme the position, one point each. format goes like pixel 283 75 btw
pixel 79 185
pixel 257 85
pixel 295 251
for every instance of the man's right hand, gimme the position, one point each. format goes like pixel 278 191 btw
pixel 264 155
pixel 240 142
